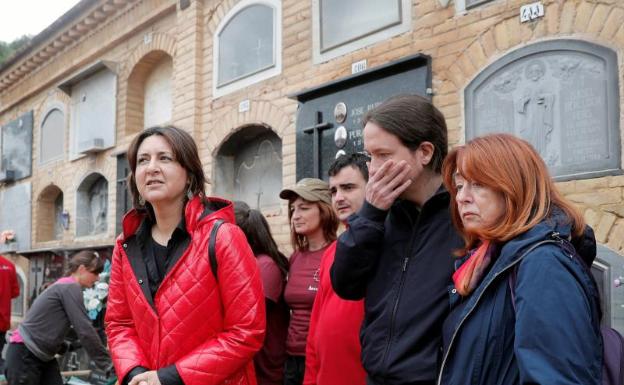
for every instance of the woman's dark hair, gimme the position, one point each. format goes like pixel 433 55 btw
pixel 258 233
pixel 184 151
pixel 413 119
pixel 89 259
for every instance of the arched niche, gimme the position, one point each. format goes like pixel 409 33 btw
pixel 92 206
pixel 150 86
pixel 50 214
pixel 249 167
pixel 247 45
pixel 52 136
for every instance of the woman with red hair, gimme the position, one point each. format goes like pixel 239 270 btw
pixel 526 308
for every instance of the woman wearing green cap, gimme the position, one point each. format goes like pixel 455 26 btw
pixel 313 226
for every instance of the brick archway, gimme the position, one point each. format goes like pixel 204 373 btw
pixel 261 113
pixel 138 66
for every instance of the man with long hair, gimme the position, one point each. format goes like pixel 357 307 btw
pixel 397 251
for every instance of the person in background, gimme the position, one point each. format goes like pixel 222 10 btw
pixel 526 308
pixel 273 265
pixel 397 250
pixel 333 347
pixel 9 289
pixel 313 226
pixel 171 318
pixel 40 336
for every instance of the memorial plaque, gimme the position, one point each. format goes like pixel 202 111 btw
pixel 17 146
pixel 15 209
pixel 562 97
pixel 317 121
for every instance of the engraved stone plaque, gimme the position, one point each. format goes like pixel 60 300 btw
pixel 562 97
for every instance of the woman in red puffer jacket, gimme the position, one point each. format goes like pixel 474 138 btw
pixel 170 318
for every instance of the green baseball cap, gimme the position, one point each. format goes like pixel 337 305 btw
pixel 310 189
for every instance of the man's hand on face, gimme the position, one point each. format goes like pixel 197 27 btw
pixel 387 184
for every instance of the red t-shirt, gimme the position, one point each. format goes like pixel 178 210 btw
pixel 9 289
pixel 303 282
pixel 333 350
pixel 269 362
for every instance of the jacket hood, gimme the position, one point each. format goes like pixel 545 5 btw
pixel 556 222
pixel 196 215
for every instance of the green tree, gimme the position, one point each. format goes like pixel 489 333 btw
pixel 8 49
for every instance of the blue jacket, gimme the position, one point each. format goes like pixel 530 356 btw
pixel 401 262
pixel 553 335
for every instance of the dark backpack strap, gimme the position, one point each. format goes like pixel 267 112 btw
pixel 212 247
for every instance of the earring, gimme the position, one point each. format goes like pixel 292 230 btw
pixel 141 201
pixel 189 193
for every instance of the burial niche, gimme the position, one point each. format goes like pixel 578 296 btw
pixel 249 167
pixel 92 206
pixel 49 214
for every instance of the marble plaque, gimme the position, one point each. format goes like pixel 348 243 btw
pixel 562 97
pixel 15 209
pixel 317 122
pixel 17 146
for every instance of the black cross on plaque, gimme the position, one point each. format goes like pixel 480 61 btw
pixel 316 130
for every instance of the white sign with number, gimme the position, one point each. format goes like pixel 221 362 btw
pixel 358 66
pixel 531 12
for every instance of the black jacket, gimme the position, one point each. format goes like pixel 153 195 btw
pixel 401 262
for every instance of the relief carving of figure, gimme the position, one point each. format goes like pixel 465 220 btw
pixel 535 107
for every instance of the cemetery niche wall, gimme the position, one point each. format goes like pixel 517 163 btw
pixel 329 120
pixel 562 96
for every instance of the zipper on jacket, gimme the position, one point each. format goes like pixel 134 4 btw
pixel 459 325
pixel 395 307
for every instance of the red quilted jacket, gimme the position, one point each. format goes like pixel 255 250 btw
pixel 210 330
